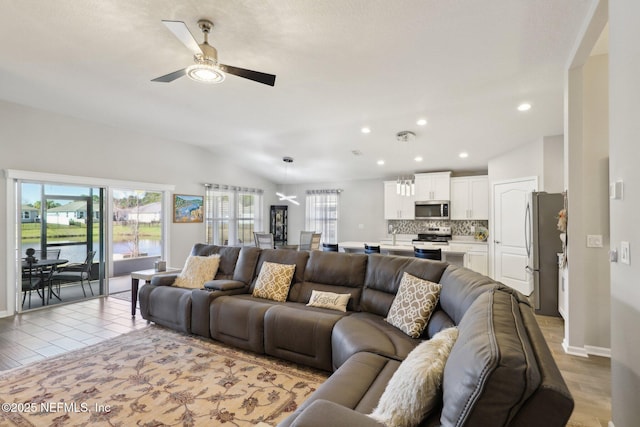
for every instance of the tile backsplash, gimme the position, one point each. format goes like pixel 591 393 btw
pixel 458 228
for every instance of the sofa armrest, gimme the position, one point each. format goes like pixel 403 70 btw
pixel 324 413
pixel 224 285
pixel 164 279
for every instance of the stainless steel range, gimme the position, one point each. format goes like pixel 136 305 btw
pixel 440 235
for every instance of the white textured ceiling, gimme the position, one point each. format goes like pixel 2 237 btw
pixel 464 65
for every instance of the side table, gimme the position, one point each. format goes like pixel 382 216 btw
pixel 145 275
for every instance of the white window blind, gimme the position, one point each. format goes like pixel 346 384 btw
pixel 232 214
pixel 321 213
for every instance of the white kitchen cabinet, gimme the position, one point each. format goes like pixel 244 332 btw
pixel 395 205
pixel 476 261
pixel 433 186
pixel 470 198
pixel 475 255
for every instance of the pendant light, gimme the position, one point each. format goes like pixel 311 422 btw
pixel 287 160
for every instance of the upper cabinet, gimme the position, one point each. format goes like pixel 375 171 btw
pixel 470 197
pixel 433 186
pixel 397 206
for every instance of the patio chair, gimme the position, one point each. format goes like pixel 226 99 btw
pixel 32 281
pixel 76 273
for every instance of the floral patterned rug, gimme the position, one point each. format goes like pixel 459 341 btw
pixel 155 377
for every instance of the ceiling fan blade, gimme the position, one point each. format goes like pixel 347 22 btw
pixel 181 31
pixel 167 78
pixel 256 76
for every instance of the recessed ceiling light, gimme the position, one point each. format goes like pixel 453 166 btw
pixel 463 155
pixel 365 130
pixel 380 162
pixel 421 122
pixel 524 107
pixel 418 159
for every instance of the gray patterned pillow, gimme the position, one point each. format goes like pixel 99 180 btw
pixel 274 281
pixel 412 307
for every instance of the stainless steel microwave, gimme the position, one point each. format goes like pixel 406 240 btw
pixel 432 209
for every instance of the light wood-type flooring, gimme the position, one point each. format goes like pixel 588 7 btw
pixel 36 335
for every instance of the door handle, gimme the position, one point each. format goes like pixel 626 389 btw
pixel 497 242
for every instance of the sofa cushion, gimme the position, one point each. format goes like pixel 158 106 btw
pixel 197 270
pixel 412 307
pixel 273 281
pixel 329 300
pixel 293 332
pixel 332 272
pixel 228 258
pixel 460 288
pixel 414 389
pixel 368 332
pixel 383 277
pixel 357 385
pixel 282 256
pixel 492 368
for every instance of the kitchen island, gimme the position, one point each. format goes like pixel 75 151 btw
pixel 470 254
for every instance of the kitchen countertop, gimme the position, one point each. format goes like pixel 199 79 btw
pixel 453 248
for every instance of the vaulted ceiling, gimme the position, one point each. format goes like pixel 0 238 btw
pixel 463 65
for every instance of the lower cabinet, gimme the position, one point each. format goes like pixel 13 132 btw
pixel 477 261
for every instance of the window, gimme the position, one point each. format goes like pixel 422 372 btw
pixel 137 223
pixel 322 213
pixel 232 214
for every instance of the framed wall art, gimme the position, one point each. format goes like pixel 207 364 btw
pixel 188 209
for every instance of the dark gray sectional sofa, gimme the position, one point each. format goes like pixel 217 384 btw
pixel 500 371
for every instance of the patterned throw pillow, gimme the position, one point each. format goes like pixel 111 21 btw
pixel 412 307
pixel 329 300
pixel 197 270
pixel 414 389
pixel 274 281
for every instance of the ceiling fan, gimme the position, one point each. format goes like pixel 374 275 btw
pixel 206 68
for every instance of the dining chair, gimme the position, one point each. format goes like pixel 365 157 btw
pixel 315 241
pixel 76 272
pixel 264 240
pixel 330 247
pixel 435 254
pixel 305 240
pixel 370 249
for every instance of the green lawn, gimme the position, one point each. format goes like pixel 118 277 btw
pixel 78 233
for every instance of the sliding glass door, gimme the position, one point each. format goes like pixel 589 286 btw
pixel 63 222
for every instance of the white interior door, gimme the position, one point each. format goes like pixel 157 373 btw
pixel 510 255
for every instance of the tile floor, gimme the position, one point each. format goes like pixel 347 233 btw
pixel 38 334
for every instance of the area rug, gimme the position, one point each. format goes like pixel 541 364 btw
pixel 155 377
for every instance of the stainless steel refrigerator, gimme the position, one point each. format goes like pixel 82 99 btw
pixel 542 242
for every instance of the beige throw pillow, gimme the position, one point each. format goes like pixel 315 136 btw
pixel 414 389
pixel 274 281
pixel 329 300
pixel 197 270
pixel 412 307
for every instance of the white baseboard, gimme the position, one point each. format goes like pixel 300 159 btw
pixel 574 351
pixel 4 313
pixel 598 351
pixel 586 351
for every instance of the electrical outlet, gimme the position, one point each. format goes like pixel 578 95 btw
pixel 625 254
pixel 594 241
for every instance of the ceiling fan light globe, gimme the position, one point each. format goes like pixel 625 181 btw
pixel 205 73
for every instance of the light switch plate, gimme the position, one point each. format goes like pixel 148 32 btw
pixel 625 254
pixel 594 240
